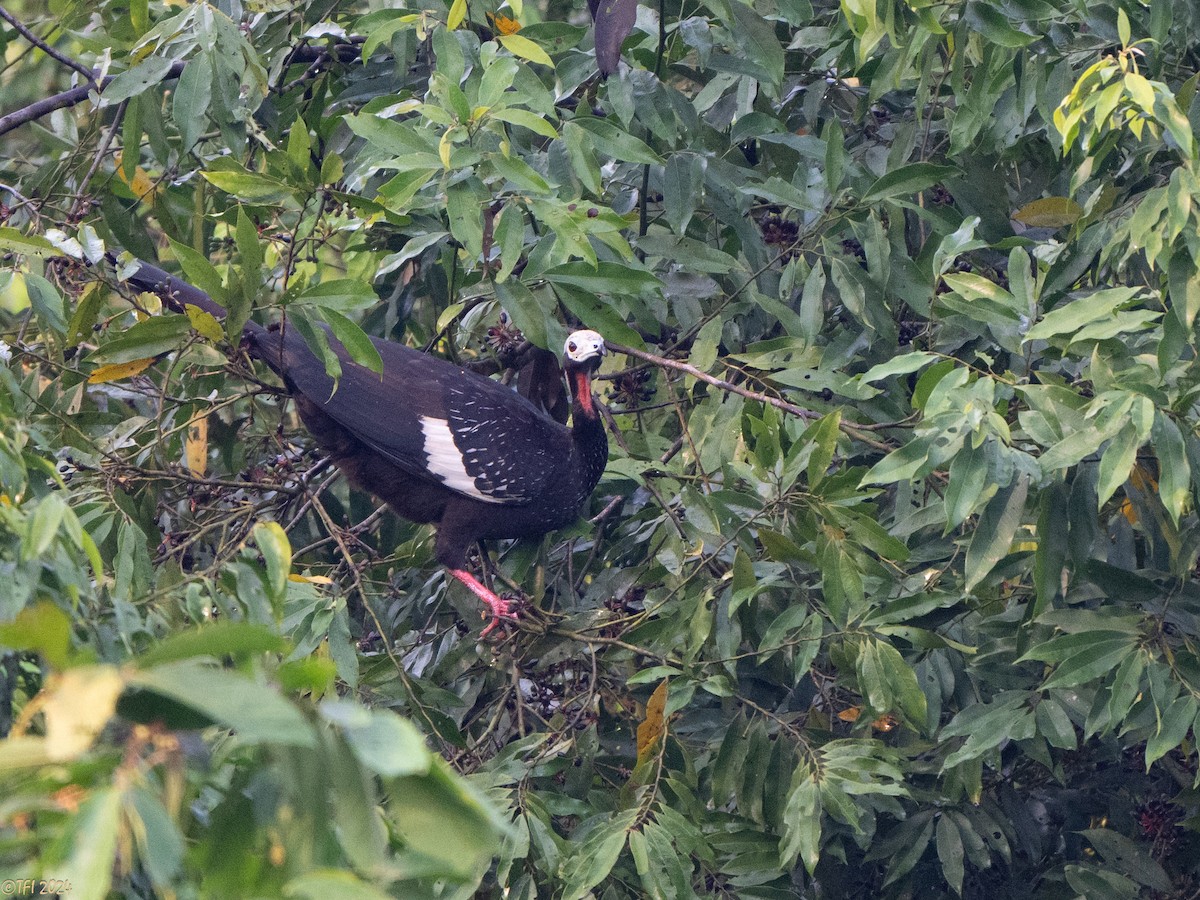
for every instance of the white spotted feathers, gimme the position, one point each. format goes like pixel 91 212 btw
pixel 483 448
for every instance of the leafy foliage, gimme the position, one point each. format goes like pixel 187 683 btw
pixel 889 584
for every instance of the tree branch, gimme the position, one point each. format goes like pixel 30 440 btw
pixel 43 46
pixel 76 95
pixel 790 408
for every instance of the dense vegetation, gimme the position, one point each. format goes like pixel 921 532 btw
pixel 889 588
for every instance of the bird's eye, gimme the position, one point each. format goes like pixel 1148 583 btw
pixel 572 347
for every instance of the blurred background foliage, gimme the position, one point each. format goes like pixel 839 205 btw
pixel 890 585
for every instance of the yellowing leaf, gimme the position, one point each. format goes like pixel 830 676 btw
pixel 886 722
pixel 78 705
pixel 310 579
pixel 142 185
pixel 195 445
pixel 504 25
pixel 655 724
pixel 458 12
pixel 117 371
pixel 525 48
pixel 205 323
pixel 1049 212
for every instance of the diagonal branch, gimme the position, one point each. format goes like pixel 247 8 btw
pixel 76 95
pixel 43 46
pixel 791 408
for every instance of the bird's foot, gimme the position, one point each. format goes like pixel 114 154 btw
pixel 506 608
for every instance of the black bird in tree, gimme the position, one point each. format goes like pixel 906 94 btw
pixel 438 443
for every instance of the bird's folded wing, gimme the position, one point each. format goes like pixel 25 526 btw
pixel 435 420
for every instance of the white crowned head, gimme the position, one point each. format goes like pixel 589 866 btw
pixel 582 346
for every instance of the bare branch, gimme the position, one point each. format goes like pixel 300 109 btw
pixel 43 46
pixel 791 408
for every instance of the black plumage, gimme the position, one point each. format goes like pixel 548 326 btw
pixel 438 443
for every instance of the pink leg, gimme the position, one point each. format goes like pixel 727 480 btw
pixel 501 609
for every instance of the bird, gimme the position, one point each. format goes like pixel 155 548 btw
pixel 439 444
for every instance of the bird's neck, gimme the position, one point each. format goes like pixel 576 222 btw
pixel 582 407
pixel 587 431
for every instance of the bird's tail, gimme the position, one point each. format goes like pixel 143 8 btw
pixel 178 295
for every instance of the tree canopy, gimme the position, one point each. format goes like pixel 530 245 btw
pixel 890 585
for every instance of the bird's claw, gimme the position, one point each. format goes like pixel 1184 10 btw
pixel 502 609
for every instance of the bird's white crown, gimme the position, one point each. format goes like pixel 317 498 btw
pixel 583 345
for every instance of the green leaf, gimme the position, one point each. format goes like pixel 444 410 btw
pixel 360 347
pixel 989 21
pixel 802 818
pixel 250 249
pixel 1054 725
pixel 529 311
pixel 199 271
pixel 192 98
pixel 525 119
pixel 1098 659
pixel 683 186
pixel 134 81
pixel 390 137
pixel 249 187
pixel 382 741
pixel 217 640
pixel 1071 317
pixel 756 39
pixel 1099 884
pixel 339 294
pixel 904 364
pixel 91 845
pixel 1117 462
pixel 160 845
pixel 824 435
pixel 987 725
pixel 1127 857
pixel 441 816
pixel 1173 727
pixel 902 682
pixel 917 833
pixel 256 713
pixel 46 302
pixel 994 534
pixel 965 490
pixel 1062 647
pixel 604 278
pixel 1126 685
pixel 42 628
pixel 276 551
pixel 320 884
pixel 950 852
pixel 1174 472
pixel 610 140
pixel 14 241
pixel 317 340
pixel 43 525
pixel 160 334
pixel 910 179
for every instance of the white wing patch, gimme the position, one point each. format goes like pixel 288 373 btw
pixel 445 460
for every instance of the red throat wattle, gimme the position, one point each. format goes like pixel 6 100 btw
pixel 583 392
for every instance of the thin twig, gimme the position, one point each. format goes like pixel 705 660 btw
pixel 44 47
pixel 807 414
pixel 101 151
